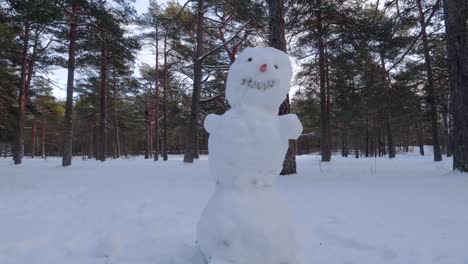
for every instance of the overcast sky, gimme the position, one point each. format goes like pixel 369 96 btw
pixel 59 76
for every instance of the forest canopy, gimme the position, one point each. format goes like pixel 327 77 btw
pixel 372 78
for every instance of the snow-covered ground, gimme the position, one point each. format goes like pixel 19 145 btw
pixel 409 210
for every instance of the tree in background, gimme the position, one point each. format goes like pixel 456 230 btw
pixel 457 40
pixel 277 39
pixel 72 13
pixel 9 57
pixel 30 16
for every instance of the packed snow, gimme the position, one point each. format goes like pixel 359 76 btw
pixel 363 211
pixel 246 220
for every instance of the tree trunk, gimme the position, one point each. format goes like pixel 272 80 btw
pixel 328 89
pixel 324 133
pixel 196 152
pixel 277 40
pixel 156 100
pixel 391 145
pixel 147 132
pixel 344 141
pixel 43 150
pixel 96 135
pixel 367 137
pixel 388 126
pixel 103 104
pixel 19 144
pixel 68 125
pixel 197 83
pixel 457 40
pixel 33 139
pixel 166 68
pixel 150 134
pixel 420 137
pixel 356 149
pixel 90 137
pixel 447 140
pixel 116 127
pixel 430 86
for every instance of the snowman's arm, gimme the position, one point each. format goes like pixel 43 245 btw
pixel 212 122
pixel 290 126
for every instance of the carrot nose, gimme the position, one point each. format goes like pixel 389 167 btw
pixel 263 68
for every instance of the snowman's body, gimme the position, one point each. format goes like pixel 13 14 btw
pixel 246 222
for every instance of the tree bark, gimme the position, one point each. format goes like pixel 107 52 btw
pixel 344 141
pixel 324 133
pixel 447 140
pixel 43 150
pixel 277 40
pixel 68 125
pixel 197 83
pixel 147 131
pixel 33 139
pixel 388 125
pixel 103 104
pixel 430 85
pixel 390 144
pixel 457 42
pixel 420 138
pixel 19 144
pixel 156 99
pixel 116 126
pixel 166 68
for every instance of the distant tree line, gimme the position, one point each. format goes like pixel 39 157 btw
pixel 373 78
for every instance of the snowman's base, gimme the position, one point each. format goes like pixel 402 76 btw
pixel 246 227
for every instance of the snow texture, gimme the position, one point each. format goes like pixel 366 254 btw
pixel 246 221
pixel 134 211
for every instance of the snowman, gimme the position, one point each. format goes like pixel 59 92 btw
pixel 246 220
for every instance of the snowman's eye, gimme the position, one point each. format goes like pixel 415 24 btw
pixel 276 66
pixel 250 59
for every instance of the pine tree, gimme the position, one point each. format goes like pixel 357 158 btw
pixel 457 41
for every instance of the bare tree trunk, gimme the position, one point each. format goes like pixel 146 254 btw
pixel 457 39
pixel 166 68
pixel 327 83
pixel 103 104
pixel 91 142
pixel 388 126
pixel 197 83
pixel 19 144
pixel 324 133
pixel 277 40
pixel 150 133
pixel 116 127
pixel 391 145
pixel 447 140
pixel 68 125
pixel 420 138
pixel 356 148
pixel 430 85
pixel 367 137
pixel 156 100
pixel 33 139
pixel 147 132
pixel 344 141
pixel 196 153
pixel 43 150
pixel 96 136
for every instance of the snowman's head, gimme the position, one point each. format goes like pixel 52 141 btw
pixel 259 77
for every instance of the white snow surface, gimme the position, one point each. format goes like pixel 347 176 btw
pixel 363 211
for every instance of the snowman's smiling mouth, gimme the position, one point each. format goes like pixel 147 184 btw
pixel 259 85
